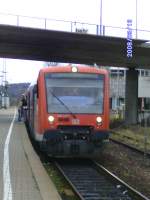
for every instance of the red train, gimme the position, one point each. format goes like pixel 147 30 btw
pixel 68 110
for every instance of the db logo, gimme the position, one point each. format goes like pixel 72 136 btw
pixel 75 121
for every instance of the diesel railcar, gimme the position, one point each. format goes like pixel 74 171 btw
pixel 68 110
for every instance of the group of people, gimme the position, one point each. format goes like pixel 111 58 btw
pixel 22 107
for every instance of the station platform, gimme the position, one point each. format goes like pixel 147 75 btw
pixel 22 176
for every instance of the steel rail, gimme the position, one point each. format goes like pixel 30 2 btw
pixel 101 185
pixel 136 193
pixel 68 180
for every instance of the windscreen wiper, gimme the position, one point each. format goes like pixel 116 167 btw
pixel 74 116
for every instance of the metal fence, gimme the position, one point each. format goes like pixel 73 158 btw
pixel 71 26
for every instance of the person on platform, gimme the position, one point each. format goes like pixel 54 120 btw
pixel 21 107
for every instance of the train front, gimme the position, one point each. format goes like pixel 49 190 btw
pixel 76 112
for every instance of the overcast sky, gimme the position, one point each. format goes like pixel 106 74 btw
pixel 114 13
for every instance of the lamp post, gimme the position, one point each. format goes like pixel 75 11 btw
pixel 100 17
pixel 136 18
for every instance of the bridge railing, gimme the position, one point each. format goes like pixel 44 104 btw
pixel 71 26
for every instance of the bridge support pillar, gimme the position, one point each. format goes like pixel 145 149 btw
pixel 131 97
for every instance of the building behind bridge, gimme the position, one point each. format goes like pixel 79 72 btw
pixel 117 88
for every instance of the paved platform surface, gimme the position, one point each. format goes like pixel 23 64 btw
pixel 22 176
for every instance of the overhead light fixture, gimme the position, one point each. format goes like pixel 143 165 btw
pixel 74 69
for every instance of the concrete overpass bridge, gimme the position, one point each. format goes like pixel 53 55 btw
pixel 56 46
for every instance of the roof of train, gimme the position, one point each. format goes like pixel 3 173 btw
pixel 82 69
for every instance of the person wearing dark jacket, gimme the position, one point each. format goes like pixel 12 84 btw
pixel 21 107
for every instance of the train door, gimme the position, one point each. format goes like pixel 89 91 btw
pixel 35 111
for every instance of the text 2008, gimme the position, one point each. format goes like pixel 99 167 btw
pixel 129 38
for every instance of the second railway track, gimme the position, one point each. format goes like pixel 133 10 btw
pixel 90 181
pixel 131 147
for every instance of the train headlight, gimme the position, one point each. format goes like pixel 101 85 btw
pixel 99 120
pixel 74 69
pixel 51 119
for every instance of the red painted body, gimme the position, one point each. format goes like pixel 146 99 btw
pixel 38 112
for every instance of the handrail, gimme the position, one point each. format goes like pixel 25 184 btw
pixel 95 28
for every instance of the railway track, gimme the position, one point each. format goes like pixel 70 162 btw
pixel 147 154
pixel 91 181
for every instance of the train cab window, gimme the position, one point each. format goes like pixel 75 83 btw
pixel 82 93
